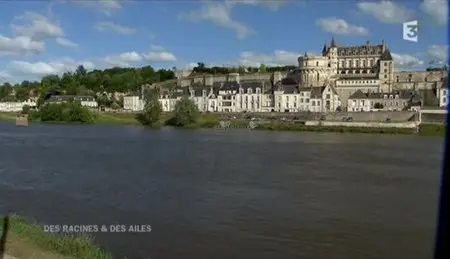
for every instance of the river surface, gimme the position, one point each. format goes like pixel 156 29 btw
pixel 228 193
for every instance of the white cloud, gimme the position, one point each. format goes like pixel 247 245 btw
pixel 274 5
pixel 438 54
pixel 107 7
pixel 21 45
pixel 124 59
pixel 113 27
pixel 436 9
pixel 405 61
pixel 37 27
pixel 219 14
pixel 277 58
pixel 386 11
pixel 160 56
pixel 340 26
pixel 4 75
pixel 66 42
pixel 156 48
pixel 45 68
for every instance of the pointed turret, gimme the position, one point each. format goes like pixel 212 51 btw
pixel 324 50
pixel 333 43
pixel 386 56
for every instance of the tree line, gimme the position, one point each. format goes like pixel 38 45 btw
pixel 82 82
pixel 202 69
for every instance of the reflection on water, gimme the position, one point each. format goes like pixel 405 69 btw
pixel 228 193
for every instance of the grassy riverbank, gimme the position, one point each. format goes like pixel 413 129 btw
pixel 211 121
pixel 425 129
pixel 28 240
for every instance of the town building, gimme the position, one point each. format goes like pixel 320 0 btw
pixel 133 103
pixel 86 101
pixel 372 101
pixel 16 106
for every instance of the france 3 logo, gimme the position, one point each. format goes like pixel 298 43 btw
pixel 411 31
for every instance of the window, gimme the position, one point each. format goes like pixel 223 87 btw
pixel 328 96
pixel 385 76
pixel 364 63
pixel 397 79
pixel 343 64
pixel 385 70
pixel 317 63
pixel 249 91
pixel 301 100
pixel 371 62
pixel 313 103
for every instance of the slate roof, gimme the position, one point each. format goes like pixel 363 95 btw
pixel 316 92
pixel 62 98
pixel 372 95
pixel 386 56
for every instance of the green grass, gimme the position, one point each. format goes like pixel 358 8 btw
pixel 115 118
pixel 8 116
pixel 432 130
pixel 27 239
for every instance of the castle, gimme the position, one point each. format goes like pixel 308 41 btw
pixel 319 83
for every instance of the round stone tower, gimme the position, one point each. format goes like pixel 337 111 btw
pixel 314 70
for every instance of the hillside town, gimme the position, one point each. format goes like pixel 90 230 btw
pixel 344 78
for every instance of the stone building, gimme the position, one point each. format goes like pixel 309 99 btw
pixel 372 101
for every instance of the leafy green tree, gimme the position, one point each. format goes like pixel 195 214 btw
pixel 262 68
pixel 151 114
pixel 186 113
pixel 25 109
pixel 64 112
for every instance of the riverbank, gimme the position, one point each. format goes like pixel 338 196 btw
pixel 211 121
pixel 27 239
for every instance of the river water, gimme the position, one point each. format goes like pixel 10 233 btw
pixel 228 193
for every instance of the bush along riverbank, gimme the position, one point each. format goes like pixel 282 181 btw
pixel 27 239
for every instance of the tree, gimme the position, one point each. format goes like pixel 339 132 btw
pixel 185 114
pixel 262 68
pixel 378 106
pixel 25 109
pixel 151 114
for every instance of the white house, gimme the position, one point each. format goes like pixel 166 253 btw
pixel 16 106
pixel 371 101
pixel 86 101
pixel 133 103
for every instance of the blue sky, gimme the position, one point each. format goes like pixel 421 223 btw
pixel 38 38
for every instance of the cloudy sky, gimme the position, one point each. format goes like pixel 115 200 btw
pixel 39 38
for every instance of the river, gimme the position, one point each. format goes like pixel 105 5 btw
pixel 228 193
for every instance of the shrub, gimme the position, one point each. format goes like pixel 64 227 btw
pixel 186 113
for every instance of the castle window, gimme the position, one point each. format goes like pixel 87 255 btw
pixel 397 79
pixel 364 63
pixel 371 62
pixel 385 76
pixel 249 91
pixel 317 63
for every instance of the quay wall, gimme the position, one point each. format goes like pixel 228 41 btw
pixel 399 116
pixel 409 124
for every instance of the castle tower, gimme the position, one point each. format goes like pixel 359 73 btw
pixel 386 72
pixel 314 70
pixel 332 55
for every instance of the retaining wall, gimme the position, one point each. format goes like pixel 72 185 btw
pixel 409 124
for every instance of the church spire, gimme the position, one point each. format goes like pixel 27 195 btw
pixel 333 43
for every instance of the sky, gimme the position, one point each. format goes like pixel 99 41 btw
pixel 51 37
